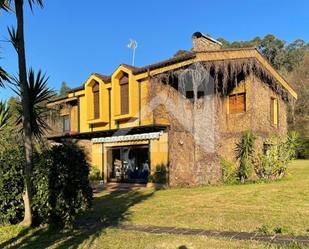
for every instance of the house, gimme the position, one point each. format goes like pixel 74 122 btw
pixel 180 115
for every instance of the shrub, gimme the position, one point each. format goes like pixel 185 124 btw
pixel 160 175
pixel 265 229
pixel 95 174
pixel 42 167
pixel 244 153
pixel 62 185
pixel 229 171
pixel 272 164
pixel 11 185
pixel 61 188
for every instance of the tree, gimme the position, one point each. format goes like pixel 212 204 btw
pixel 180 52
pixel 39 95
pixel 283 57
pixel 300 120
pixel 19 44
pixel 65 89
pixel 13 104
pixel 4 112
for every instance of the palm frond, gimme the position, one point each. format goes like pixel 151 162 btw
pixel 5 5
pixel 13 37
pixel 38 2
pixel 3 76
pixel 4 115
pixel 39 94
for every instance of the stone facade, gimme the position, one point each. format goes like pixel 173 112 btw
pixel 256 118
pixel 193 158
pixel 202 131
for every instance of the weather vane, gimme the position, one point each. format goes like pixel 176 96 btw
pixel 133 45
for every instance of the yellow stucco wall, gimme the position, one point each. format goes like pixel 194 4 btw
pixel 96 157
pixel 159 152
pixel 74 118
pixel 84 126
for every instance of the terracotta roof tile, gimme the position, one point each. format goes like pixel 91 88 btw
pixel 105 78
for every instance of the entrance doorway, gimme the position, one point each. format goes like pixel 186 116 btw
pixel 128 164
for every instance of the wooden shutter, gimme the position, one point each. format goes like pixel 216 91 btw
pixel 241 102
pixel 237 103
pixel 96 101
pixel 124 95
pixel 274 111
pixel 232 103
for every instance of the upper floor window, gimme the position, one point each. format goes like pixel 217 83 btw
pixel 124 95
pixel 96 100
pixel 274 111
pixel 237 103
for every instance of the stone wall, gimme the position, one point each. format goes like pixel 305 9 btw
pixel 203 131
pixel 256 118
pixel 193 159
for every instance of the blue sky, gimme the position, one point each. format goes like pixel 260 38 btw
pixel 70 39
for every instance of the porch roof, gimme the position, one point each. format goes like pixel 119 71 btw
pixel 110 133
pixel 123 138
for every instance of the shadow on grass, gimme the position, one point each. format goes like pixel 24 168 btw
pixel 109 209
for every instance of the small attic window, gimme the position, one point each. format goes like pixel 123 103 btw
pixel 96 100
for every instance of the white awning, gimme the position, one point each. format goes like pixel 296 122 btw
pixel 125 138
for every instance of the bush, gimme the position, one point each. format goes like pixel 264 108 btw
pixel 272 164
pixel 160 175
pixel 62 188
pixel 244 152
pixel 11 185
pixel 229 171
pixel 42 167
pixel 95 174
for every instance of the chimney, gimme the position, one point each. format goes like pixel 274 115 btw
pixel 203 42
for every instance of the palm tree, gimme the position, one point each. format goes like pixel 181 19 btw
pixel 3 76
pixel 39 95
pixel 19 44
pixel 4 115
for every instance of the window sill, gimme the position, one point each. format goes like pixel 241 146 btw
pixel 123 117
pixel 96 121
pixel 235 113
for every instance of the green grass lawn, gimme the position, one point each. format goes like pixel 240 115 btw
pixel 283 204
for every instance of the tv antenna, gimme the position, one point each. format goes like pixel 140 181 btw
pixel 133 44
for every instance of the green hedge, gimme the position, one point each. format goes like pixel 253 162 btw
pixel 61 188
pixel 69 187
pixel 11 185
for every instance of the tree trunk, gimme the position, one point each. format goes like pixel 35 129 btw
pixel 26 112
